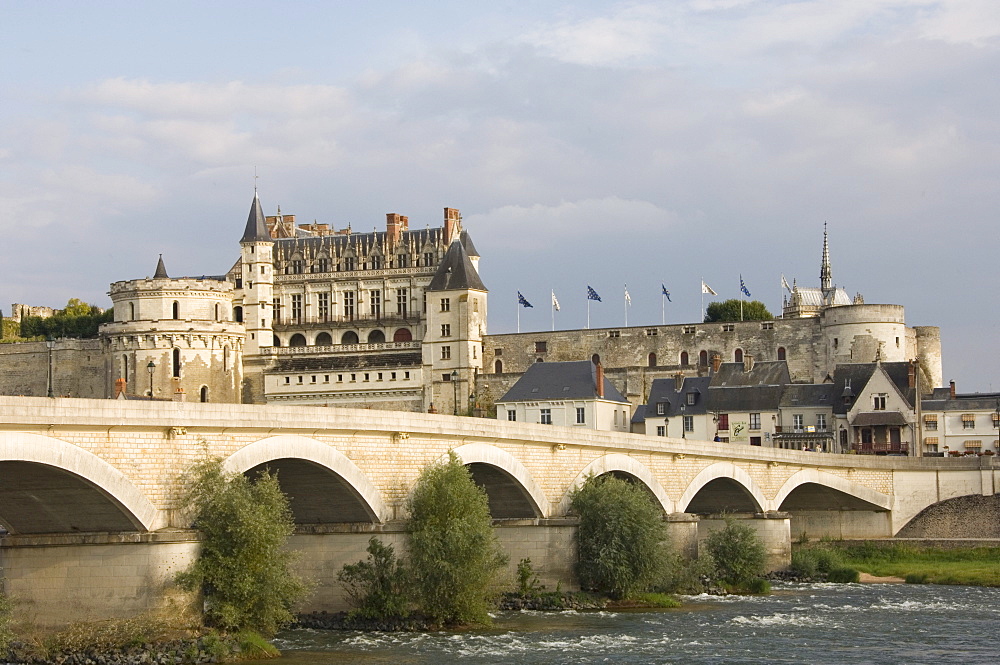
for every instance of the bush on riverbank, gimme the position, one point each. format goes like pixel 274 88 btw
pixel 378 587
pixel 244 570
pixel 621 537
pixel 928 565
pixel 739 556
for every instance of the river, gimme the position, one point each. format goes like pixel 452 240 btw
pixel 798 623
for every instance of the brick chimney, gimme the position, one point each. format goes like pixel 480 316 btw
pixel 716 363
pixel 911 375
pixel 599 379
pixel 394 225
pixel 119 386
pixel 951 391
pixel 678 382
pixel 747 362
pixel 452 222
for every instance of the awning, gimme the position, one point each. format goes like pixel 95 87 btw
pixel 973 444
pixel 878 418
pixel 931 440
pixel 968 417
pixel 931 418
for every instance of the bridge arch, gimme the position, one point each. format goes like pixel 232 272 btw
pixel 616 462
pixel 515 490
pixel 728 481
pixel 304 455
pixel 90 487
pixel 831 481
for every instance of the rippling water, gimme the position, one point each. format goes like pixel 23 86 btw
pixel 815 623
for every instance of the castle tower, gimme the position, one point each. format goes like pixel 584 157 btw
pixel 456 323
pixel 175 336
pixel 256 247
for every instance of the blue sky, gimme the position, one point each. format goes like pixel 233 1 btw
pixel 585 143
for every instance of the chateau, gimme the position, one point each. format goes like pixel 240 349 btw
pixel 397 320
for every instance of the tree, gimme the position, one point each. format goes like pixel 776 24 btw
pixel 620 538
pixel 78 320
pixel 377 587
pixel 243 570
pixel 738 552
pixel 455 556
pixel 729 310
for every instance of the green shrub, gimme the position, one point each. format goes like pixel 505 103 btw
pixel 804 563
pixel 685 576
pixel 377 588
pixel 738 552
pixel 455 556
pixel 243 570
pixel 758 586
pixel 664 600
pixel 827 560
pixel 843 575
pixel 916 578
pixel 527 580
pixel 620 538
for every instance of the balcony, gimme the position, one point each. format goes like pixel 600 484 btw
pixel 336 349
pixel 384 319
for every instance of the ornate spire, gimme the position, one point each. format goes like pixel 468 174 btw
pixel 256 229
pixel 825 274
pixel 161 270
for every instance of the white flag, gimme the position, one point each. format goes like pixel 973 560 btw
pixel 628 298
pixel 705 288
pixel 784 283
pixel 555 303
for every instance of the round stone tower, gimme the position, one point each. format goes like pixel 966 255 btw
pixel 176 338
pixel 929 354
pixel 861 333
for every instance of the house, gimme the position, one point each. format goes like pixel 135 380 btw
pixel 874 407
pixel 957 424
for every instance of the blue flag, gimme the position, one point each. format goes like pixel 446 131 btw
pixel 666 293
pixel 743 287
pixel 521 300
pixel 592 294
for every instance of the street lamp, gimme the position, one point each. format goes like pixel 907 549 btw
pixel 151 367
pixel 683 423
pixel 50 344
pixel 666 426
pixel 454 381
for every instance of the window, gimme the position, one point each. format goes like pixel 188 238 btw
pixel 445 353
pixel 878 401
pixel 931 444
pixel 323 309
pixel 614 333
pixel 176 310
pixel 661 430
pixel 511 415
pixel 968 421
pixel 728 327
pixel 688 423
pixel 323 265
pixel 445 330
pixel 296 307
pixel 691 398
pixel 703 358
pixel 689 330
pixel 781 353
pixel 428 259
pixel 820 422
pixel 402 302
pixel 661 408
pixel 754 421
pixel 276 309
pixel 767 325
pixel 349 305
pixel 651 359
pixel 684 358
pixel 497 352
pixel 296 266
pixel 581 415
pixel 348 263
pixel 177 363
pixel 375 262
pixel 498 367
pixel 651 332
pixel 546 416
pixel 723 421
pixel 930 423
pixel 738 355
pixel 445 304
pixel 403 261
pixel 797 420
pixel 540 347
pixel 375 301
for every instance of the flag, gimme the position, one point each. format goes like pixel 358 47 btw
pixel 743 287
pixel 784 283
pixel 555 302
pixel 628 298
pixel 665 292
pixel 521 300
pixel 592 294
pixel 705 288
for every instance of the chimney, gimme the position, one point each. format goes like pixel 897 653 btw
pixel 393 227
pixel 911 375
pixel 452 221
pixel 119 386
pixel 599 379
pixel 179 395
pixel 747 362
pixel 951 392
pixel 678 382
pixel 716 363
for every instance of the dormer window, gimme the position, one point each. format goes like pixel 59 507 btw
pixel 691 398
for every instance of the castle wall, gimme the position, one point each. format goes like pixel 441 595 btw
pixel 78 369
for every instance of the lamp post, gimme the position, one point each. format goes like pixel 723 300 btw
pixel 454 382
pixel 666 426
pixel 151 367
pixel 50 344
pixel 683 423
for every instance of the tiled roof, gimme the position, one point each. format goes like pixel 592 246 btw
pixel 561 380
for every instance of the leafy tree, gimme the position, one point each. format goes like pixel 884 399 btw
pixel 455 556
pixel 729 310
pixel 377 588
pixel 738 552
pixel 244 570
pixel 78 320
pixel 620 538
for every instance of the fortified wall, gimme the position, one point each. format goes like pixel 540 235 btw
pixel 78 368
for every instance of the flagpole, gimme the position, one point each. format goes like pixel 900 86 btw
pixel 553 305
pixel 701 314
pixel 518 317
pixel 626 305
pixel 588 313
pixel 663 309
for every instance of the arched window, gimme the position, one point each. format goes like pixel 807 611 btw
pixel 276 341
pixel 238 314
pixel 324 339
pixel 131 311
pixel 125 367
pixel 376 337
pixel 225 358
pixel 498 367
pixel 703 358
pixel 402 335
pixel 349 337
pixel 738 355
pixel 177 363
pixel 216 311
pixel 204 393
pixel 684 358
pixel 781 353
pixel 176 310
pixel 596 359
pixel 652 360
pixel 298 339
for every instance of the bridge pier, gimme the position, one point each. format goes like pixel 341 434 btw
pixel 773 529
pixel 842 524
pixel 57 579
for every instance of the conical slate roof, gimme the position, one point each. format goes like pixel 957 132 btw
pixel 256 228
pixel 161 270
pixel 456 272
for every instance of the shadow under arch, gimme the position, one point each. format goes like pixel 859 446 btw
pixel 616 463
pixel 67 489
pixel 722 487
pixel 848 494
pixel 323 485
pixel 512 490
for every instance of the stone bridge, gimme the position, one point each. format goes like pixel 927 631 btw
pixel 89 489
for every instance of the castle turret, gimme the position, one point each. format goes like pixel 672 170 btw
pixel 256 247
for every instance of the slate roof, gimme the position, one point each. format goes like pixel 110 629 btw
pixel 560 380
pixel 256 229
pixel 662 390
pixel 161 270
pixel 470 248
pixel 849 379
pixel 768 373
pixel 808 394
pixel 813 296
pixel 745 398
pixel 346 362
pixel 941 400
pixel 456 272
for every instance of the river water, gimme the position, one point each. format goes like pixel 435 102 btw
pixel 798 623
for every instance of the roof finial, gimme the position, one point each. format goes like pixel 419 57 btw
pixel 255 176
pixel 825 274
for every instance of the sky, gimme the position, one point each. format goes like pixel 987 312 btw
pixel 586 143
